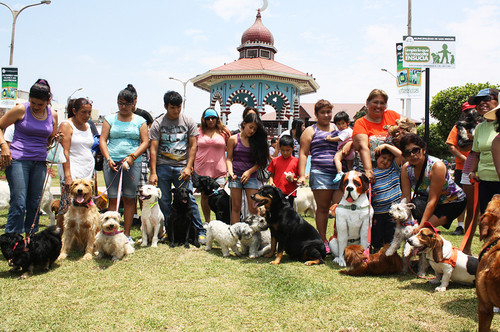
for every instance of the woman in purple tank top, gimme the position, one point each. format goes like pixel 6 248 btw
pixel 24 160
pixel 323 170
pixel 246 152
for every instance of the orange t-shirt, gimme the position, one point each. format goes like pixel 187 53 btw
pixel 375 131
pixel 453 140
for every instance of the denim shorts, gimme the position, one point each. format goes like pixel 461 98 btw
pixel 322 180
pixel 130 180
pixel 252 183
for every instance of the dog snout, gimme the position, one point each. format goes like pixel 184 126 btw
pixel 349 188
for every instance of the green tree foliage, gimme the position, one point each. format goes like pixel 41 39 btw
pixel 436 146
pixel 446 105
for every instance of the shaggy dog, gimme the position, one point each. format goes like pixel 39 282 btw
pixel 110 240
pixel 81 221
pixel 152 219
pixel 260 242
pixel 227 236
pixel 304 202
pixel 405 224
pixel 40 249
pixel 181 229
pixel 448 263
pixel 377 264
pixel 466 126
pixel 7 242
pixel 396 132
pixel 289 231
pixel 352 215
pixel 218 199
pixel 488 271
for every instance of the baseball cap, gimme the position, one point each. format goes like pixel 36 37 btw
pixel 429 225
pixel 210 112
pixel 474 100
pixel 467 106
pixel 491 115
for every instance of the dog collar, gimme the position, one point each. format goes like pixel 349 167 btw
pixel 352 207
pixel 230 232
pixel 408 222
pixel 111 233
pixel 153 204
pixel 453 258
pixel 216 192
pixel 487 248
pixel 87 205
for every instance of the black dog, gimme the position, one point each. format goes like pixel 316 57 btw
pixel 180 224
pixel 297 237
pixel 7 242
pixel 218 199
pixel 40 249
pixel 466 126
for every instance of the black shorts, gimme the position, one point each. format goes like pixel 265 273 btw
pixel 457 177
pixel 451 211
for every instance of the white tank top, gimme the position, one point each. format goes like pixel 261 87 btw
pixel 80 154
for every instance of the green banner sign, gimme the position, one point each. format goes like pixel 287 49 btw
pixel 9 87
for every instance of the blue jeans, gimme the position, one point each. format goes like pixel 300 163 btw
pixel 26 178
pixel 166 176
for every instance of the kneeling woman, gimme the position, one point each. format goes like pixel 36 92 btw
pixel 428 177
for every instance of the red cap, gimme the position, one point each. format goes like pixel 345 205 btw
pixel 467 106
pixel 429 225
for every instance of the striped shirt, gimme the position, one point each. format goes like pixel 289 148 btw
pixel 387 188
pixel 323 151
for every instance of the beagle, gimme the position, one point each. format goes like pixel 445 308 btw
pixel 448 262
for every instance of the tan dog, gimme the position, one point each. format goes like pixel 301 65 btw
pixel 81 221
pixel 488 271
pixel 110 240
pixel 377 264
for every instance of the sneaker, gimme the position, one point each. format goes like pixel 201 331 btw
pixel 327 248
pixel 458 231
pixel 136 221
pixel 202 239
pixel 130 240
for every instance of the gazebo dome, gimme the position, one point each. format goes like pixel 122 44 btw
pixel 258 33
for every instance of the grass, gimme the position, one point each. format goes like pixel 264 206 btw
pixel 191 290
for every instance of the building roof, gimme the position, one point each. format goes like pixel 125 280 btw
pixel 257 32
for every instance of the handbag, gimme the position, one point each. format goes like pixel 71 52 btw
pixel 96 151
pixel 419 199
pixel 263 175
pixel 55 154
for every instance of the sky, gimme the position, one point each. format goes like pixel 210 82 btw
pixel 101 46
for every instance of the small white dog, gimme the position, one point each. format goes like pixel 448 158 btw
pixel 152 219
pixel 304 202
pixel 227 236
pixel 110 240
pixel 260 242
pixel 405 224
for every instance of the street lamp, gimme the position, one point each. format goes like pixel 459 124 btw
pixel 402 99
pixel 15 14
pixel 184 83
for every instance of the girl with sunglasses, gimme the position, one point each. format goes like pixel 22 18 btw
pixel 77 144
pixel 430 179
pixel 211 154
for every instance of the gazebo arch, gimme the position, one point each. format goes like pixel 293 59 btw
pixel 242 96
pixel 279 101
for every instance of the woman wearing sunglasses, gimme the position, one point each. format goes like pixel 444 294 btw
pixel 77 144
pixel 211 154
pixel 442 199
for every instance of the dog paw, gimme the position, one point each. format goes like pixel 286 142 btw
pixel 435 281
pixel 144 244
pixel 115 259
pixel 154 244
pixel 440 289
pixel 252 256
pixel 339 260
pixel 275 262
pixel 87 256
pixel 62 256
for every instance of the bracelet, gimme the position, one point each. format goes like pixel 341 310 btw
pixel 107 160
pixel 4 142
pixel 133 157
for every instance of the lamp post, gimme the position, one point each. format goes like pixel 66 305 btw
pixel 15 14
pixel 402 99
pixel 184 83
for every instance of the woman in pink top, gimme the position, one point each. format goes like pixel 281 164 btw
pixel 211 155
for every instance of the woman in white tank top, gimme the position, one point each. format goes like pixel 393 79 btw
pixel 77 144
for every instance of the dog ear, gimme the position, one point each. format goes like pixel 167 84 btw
pixel 342 183
pixel 437 248
pixel 280 194
pixel 411 206
pixel 365 182
pixel 485 223
pixel 159 192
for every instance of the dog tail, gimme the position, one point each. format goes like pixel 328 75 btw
pixel 54 230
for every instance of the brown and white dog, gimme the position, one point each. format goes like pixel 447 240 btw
pixel 488 271
pixel 81 221
pixel 357 263
pixel 448 262
pixel 352 215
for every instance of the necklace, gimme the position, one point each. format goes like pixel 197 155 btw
pixel 38 117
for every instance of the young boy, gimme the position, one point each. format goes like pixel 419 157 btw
pixel 341 120
pixel 284 169
pixel 173 137
pixel 386 191
pixel 272 148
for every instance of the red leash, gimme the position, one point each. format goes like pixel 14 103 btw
pixel 367 250
pixel 473 220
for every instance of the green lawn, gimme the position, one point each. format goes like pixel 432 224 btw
pixel 178 289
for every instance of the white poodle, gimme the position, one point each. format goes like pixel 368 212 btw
pixel 152 219
pixel 227 235
pixel 260 243
pixel 110 240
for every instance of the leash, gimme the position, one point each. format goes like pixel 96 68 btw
pixel 119 193
pixel 290 194
pixel 473 220
pixel 416 274
pixel 366 252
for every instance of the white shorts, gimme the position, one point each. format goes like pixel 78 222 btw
pixel 465 178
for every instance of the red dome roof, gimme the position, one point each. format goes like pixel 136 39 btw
pixel 257 32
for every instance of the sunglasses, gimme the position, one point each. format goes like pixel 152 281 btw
pixel 486 99
pixel 211 118
pixel 415 151
pixel 125 104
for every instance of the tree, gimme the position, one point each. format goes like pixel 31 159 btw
pixel 446 105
